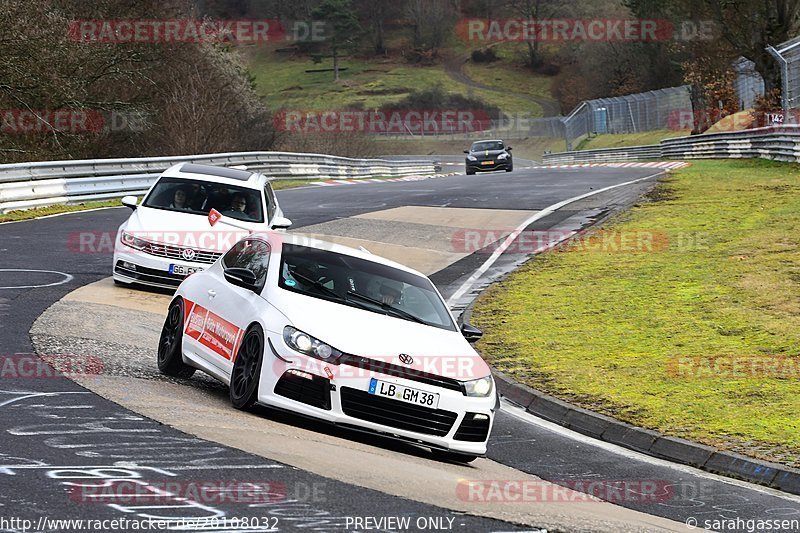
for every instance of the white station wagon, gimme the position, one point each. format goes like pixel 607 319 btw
pixel 167 238
pixel 336 334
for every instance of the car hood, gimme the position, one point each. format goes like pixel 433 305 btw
pixel 484 153
pixel 383 338
pixel 183 229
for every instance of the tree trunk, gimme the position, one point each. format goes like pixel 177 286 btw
pixel 770 69
pixel 335 64
pixel 380 38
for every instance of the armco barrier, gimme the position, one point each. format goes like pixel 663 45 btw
pixel 26 185
pixel 611 155
pixel 781 143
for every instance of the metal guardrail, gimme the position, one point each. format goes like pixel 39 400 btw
pixel 781 143
pixel 26 185
pixel 610 155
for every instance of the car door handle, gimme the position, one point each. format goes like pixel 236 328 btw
pixel 212 294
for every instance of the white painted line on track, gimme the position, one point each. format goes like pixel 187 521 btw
pixel 67 278
pixel 528 418
pixel 468 284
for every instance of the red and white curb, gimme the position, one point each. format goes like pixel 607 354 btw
pixel 664 165
pixel 362 181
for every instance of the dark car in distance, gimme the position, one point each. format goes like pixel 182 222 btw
pixel 488 156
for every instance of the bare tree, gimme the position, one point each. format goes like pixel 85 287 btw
pixel 432 21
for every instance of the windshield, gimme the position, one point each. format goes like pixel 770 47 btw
pixel 364 284
pixel 197 197
pixel 488 145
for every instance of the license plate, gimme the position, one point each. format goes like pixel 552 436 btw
pixel 180 270
pixel 487 163
pixel 403 393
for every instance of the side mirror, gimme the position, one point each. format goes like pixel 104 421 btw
pixel 508 148
pixel 241 277
pixel 466 151
pixel 281 223
pixel 471 333
pixel 130 202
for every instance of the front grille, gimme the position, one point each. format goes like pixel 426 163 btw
pixel 473 430
pixel 401 372
pixel 394 414
pixel 315 392
pixel 176 252
pixel 149 275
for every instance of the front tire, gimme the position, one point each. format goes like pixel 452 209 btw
pixel 470 172
pixel 170 346
pixel 510 169
pixel 247 369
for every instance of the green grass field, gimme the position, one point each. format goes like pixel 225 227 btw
pixel 628 139
pixel 696 335
pixel 284 83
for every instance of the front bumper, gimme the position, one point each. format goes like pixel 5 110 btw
pixel 478 166
pixel 140 268
pixel 339 394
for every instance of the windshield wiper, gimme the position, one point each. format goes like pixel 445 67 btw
pixel 325 290
pixel 316 284
pixel 387 307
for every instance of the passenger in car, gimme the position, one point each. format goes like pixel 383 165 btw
pixel 179 199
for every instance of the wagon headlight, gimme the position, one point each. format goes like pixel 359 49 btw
pixel 306 344
pixel 128 239
pixel 503 156
pixel 479 387
pixel 472 158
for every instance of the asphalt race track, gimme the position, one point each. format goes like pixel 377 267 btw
pixel 57 435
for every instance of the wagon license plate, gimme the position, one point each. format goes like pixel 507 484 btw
pixel 403 393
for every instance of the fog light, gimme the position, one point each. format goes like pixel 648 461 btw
pixel 477 416
pixel 300 374
pixel 129 266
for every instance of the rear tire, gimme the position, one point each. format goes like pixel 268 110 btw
pixel 246 372
pixel 452 457
pixel 170 346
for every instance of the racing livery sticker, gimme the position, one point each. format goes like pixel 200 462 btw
pixel 212 331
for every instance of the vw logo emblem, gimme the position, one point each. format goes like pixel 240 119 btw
pixel 188 254
pixel 406 359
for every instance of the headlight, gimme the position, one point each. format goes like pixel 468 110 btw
pixel 306 344
pixel 129 239
pixel 503 156
pixel 472 158
pixel 479 387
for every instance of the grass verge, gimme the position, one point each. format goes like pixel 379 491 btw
pixel 621 140
pixel 696 335
pixel 27 214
